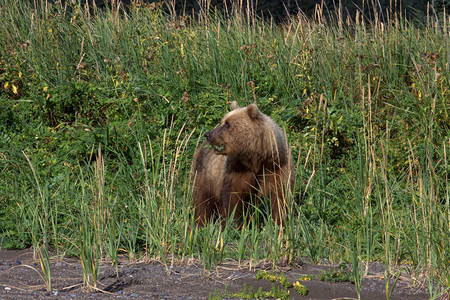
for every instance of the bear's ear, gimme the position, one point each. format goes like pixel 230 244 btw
pixel 253 111
pixel 234 105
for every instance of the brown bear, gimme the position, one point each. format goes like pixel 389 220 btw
pixel 245 157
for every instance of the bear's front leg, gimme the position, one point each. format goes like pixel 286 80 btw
pixel 275 188
pixel 204 206
pixel 234 192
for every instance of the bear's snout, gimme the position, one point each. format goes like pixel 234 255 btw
pixel 208 136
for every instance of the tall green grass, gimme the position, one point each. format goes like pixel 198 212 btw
pixel 101 111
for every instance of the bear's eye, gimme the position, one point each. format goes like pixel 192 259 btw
pixel 227 124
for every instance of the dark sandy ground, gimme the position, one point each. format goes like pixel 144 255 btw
pixel 20 278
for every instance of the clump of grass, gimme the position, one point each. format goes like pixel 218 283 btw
pixel 44 262
pixel 40 227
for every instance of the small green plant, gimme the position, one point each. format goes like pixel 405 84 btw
pixel 300 288
pixel 274 278
pixel 284 282
pixel 339 275
pixel 307 277
pixel 248 293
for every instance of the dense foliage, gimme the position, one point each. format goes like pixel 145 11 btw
pixel 101 111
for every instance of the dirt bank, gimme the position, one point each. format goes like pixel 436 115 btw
pixel 20 278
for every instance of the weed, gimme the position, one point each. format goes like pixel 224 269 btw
pixel 274 278
pixel 332 275
pixel 283 281
pixel 307 277
pixel 300 288
pixel 248 293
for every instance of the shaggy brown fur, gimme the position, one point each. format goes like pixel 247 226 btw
pixel 245 157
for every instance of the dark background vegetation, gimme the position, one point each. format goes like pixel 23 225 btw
pixel 279 10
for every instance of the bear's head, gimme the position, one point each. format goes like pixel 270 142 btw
pixel 239 131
